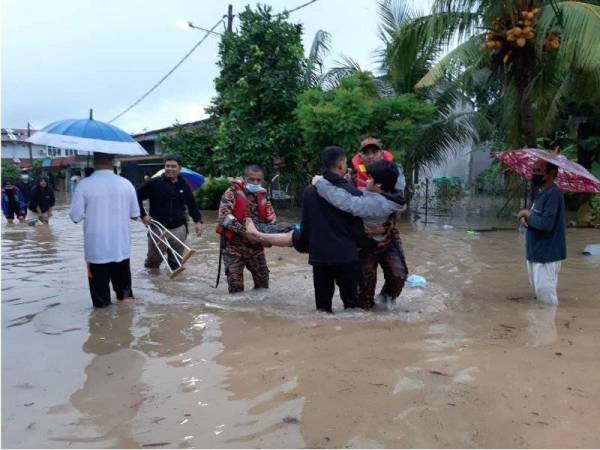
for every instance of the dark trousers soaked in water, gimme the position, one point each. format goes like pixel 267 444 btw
pixel 392 262
pixel 235 263
pixel 101 275
pixel 325 277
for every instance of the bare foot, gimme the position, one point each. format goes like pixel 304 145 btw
pixel 127 300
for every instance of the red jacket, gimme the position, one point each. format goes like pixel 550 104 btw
pixel 240 208
pixel 360 170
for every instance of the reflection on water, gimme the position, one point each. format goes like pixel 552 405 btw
pixel 542 325
pixel 189 365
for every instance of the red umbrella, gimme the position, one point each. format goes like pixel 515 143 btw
pixel 572 177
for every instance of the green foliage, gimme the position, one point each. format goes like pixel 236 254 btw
pixel 595 204
pixel 194 145
pixel 447 191
pixel 10 172
pixel 346 114
pixel 491 180
pixel 535 82
pixel 209 195
pixel 262 68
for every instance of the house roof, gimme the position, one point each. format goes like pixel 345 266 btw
pixel 15 134
pixel 153 134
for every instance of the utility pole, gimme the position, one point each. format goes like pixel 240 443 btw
pixel 229 18
pixel 29 144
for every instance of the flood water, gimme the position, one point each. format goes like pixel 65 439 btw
pixel 468 361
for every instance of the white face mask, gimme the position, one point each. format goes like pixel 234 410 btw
pixel 253 188
pixel 25 177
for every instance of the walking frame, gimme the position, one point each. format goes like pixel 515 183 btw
pixel 160 234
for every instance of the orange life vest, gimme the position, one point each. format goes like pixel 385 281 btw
pixel 240 208
pixel 361 169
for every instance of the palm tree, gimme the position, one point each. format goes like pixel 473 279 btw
pixel 457 123
pixel 541 50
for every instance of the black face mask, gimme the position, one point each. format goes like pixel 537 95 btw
pixel 537 180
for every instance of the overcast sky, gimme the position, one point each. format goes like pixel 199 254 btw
pixel 62 57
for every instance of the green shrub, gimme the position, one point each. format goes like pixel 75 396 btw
pixel 10 172
pixel 595 202
pixel 209 195
pixel 490 181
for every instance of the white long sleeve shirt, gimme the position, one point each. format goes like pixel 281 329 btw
pixel 106 203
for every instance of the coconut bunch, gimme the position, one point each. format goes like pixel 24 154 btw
pixel 508 34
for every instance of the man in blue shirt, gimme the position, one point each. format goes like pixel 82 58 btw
pixel 546 240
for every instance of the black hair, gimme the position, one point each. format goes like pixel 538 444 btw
pixel 551 168
pixel 43 178
pixel 384 173
pixel 331 156
pixel 101 158
pixel 253 168
pixel 88 171
pixel 175 158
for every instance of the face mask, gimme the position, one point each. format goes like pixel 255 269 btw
pixel 253 188
pixel 25 178
pixel 537 180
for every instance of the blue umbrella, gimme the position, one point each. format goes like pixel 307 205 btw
pixel 88 135
pixel 193 179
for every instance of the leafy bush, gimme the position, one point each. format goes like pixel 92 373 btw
pixel 491 180
pixel 447 191
pixel 595 202
pixel 194 145
pixel 10 172
pixel 209 195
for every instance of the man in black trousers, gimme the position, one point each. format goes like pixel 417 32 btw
pixel 331 237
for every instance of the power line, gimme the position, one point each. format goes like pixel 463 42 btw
pixel 149 91
pixel 300 7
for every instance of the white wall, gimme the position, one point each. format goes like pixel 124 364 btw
pixel 12 150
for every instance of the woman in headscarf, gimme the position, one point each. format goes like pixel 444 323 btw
pixel 13 203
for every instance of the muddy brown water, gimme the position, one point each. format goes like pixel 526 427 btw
pixel 469 361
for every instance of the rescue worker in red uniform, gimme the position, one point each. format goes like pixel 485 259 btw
pixel 389 253
pixel 244 199
pixel 370 152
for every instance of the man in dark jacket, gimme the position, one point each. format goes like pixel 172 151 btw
pixel 169 195
pixel 546 233
pixel 42 200
pixel 331 237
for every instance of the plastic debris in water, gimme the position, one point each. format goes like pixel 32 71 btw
pixel 592 249
pixel 416 281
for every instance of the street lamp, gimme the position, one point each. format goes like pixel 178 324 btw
pixel 185 24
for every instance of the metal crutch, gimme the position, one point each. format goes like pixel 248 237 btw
pixel 182 258
pixel 156 238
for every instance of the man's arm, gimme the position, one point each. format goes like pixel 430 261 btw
pixel 134 207
pixel 364 206
pixel 544 220
pixel 226 210
pixel 143 193
pixel 77 211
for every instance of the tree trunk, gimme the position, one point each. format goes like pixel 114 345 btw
pixel 526 116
